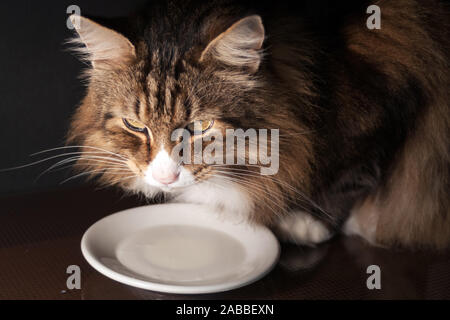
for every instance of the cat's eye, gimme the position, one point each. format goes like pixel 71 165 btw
pixel 134 125
pixel 200 126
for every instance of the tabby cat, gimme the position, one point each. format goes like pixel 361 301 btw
pixel 363 114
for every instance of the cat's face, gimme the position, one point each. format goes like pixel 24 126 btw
pixel 137 100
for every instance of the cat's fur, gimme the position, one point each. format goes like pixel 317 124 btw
pixel 363 114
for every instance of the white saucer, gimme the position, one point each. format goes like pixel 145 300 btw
pixel 179 248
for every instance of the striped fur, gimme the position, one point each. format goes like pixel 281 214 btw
pixel 363 114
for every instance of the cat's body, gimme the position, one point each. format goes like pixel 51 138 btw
pixel 364 115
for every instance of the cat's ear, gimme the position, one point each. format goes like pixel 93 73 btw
pixel 101 45
pixel 240 45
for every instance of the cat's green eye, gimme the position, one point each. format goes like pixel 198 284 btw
pixel 200 126
pixel 134 125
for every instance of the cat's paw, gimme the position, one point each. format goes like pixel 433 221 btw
pixel 301 228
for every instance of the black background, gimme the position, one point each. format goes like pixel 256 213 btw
pixel 39 83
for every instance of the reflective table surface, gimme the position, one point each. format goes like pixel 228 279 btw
pixel 40 238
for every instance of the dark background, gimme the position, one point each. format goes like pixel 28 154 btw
pixel 39 84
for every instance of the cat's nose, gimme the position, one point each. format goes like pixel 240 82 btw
pixel 165 177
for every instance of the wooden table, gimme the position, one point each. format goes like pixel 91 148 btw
pixel 40 237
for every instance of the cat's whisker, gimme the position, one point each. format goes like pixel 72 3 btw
pixel 240 176
pixel 113 182
pixel 112 171
pixel 244 181
pixel 238 165
pixel 82 158
pixel 99 159
pixel 210 182
pixel 264 177
pixel 48 159
pixel 96 156
pixel 287 185
pixel 61 168
pixel 124 179
pixel 265 201
pixel 78 147
pixel 265 194
pixel 66 167
pixel 251 192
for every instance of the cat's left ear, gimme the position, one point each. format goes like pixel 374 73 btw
pixel 102 46
pixel 240 45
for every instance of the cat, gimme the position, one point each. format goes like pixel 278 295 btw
pixel 363 114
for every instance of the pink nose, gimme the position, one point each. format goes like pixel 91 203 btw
pixel 165 177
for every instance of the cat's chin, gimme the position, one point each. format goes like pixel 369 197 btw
pixel 209 192
pixel 150 190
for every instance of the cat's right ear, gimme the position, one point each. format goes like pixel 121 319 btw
pixel 100 45
pixel 240 45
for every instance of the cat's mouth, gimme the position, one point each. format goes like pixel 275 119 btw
pixel 175 188
pixel 169 181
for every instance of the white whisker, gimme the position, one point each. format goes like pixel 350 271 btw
pixel 105 170
pixel 266 195
pixel 51 158
pixel 303 197
pixel 79 147
pixel 81 158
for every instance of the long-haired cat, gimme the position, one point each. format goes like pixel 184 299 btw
pixel 363 114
